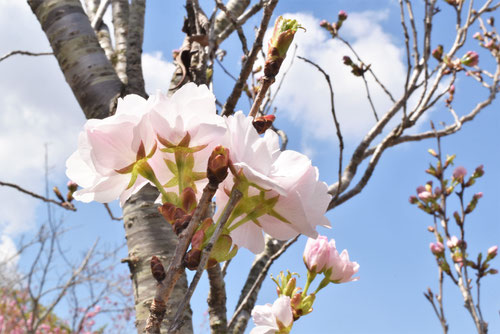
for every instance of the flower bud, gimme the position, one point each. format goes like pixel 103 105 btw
pixel 58 194
pixel 342 16
pixel 471 58
pixel 459 174
pixel 188 199
pixel 157 269
pixel 453 242
pixel 262 123
pixel 432 152
pixel 492 252
pixel 192 259
pixel 438 53
pixel 347 60
pixel 72 186
pixel 316 253
pixel 478 36
pixel 431 229
pixel 218 163
pixel 413 200
pixel 324 24
pixel 284 31
pixel 436 248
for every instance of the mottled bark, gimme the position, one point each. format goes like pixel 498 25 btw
pixel 148 234
pixel 120 24
pixel 236 8
pixel 217 300
pixel 84 64
pixel 134 48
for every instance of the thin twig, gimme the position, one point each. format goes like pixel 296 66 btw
pixel 228 210
pixel 246 69
pixel 337 125
pixel 258 282
pixel 65 205
pixel 25 53
pixel 176 266
pixel 108 209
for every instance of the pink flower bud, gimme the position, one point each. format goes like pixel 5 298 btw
pixel 425 195
pixel 437 248
pixel 478 36
pixel 471 58
pixel 453 242
pixel 342 16
pixel 492 251
pixel 316 253
pixel 324 24
pixel 438 52
pixel 459 173
pixel 478 195
pixel 339 268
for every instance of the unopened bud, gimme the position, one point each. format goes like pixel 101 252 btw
pixel 471 58
pixel 478 36
pixel 438 53
pixel 192 259
pixel 188 199
pixel 157 269
pixel 218 163
pixel 58 194
pixel 431 229
pixel 342 16
pixel 262 123
pixel 492 252
pixel 436 248
pixel 284 31
pixel 347 60
pixel 72 186
pixel 290 287
pixel 324 24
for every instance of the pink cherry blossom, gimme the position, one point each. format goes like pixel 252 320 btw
pixel 340 268
pixel 292 199
pixel 436 248
pixel 316 254
pixel 453 242
pixel 271 319
pixel 459 173
pixel 191 110
pixel 108 145
pixel 425 195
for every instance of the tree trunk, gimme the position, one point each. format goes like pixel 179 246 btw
pixel 147 234
pixel 82 60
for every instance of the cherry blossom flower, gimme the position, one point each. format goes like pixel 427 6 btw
pixel 316 253
pixel 340 268
pixel 459 173
pixel 281 192
pixel 108 146
pixel 436 248
pixel 188 128
pixel 275 318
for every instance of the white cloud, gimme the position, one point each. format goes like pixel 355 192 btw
pixel 157 72
pixel 304 96
pixel 37 107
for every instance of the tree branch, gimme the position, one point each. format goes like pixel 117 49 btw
pixel 25 53
pixel 233 98
pixel 134 48
pixel 64 205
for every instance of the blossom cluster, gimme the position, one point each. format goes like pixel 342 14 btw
pixel 167 141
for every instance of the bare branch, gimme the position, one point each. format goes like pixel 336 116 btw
pixel 234 198
pixel 250 60
pixel 65 205
pixel 101 10
pixel 25 53
pixel 235 24
pixel 261 265
pixel 108 209
pixel 337 125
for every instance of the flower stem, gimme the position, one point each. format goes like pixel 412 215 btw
pixel 310 277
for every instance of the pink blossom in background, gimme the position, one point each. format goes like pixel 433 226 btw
pixel 492 251
pixel 270 319
pixel 340 268
pixel 316 254
pixel 453 242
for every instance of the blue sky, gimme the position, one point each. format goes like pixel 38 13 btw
pixel 381 230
